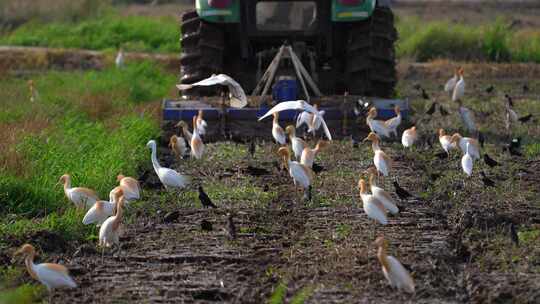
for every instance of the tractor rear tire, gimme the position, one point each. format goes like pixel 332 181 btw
pixel 202 47
pixel 371 66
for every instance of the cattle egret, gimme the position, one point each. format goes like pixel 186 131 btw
pixel 119 61
pixel 301 105
pixel 393 271
pixel 297 143
pixel 393 123
pixel 237 95
pixel 381 161
pixel 379 193
pixel 168 177
pixel 308 154
pixel 83 198
pixel 197 146
pixel 474 149
pixel 467 161
pixel 102 209
pixel 185 130
pixel 446 141
pixel 53 276
pixel 277 131
pixel 451 83
pixel 110 230
pixel 130 186
pixel 409 137
pixel 371 205
pixel 459 89
pixel 377 126
pixel 302 175
pixel 178 146
pixel 201 123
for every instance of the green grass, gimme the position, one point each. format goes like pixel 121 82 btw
pixel 278 296
pixel 111 31
pixel 491 42
pixel 91 125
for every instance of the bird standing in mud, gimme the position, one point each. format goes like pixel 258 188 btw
pixel 277 131
pixel 297 143
pixel 205 200
pixel 178 145
pixel 119 60
pixel 409 137
pixel 459 88
pixel 197 146
pixel 200 123
pixel 130 187
pixel 393 123
pixel 377 126
pixel 379 193
pixel 373 208
pixel 53 276
pixel 168 177
pixel 474 149
pixel 308 154
pixel 83 198
pixel 451 83
pixel 185 130
pixel 302 175
pixel 467 161
pixel 393 271
pixel 381 161
pixel 111 229
pixel 102 209
pixel 446 141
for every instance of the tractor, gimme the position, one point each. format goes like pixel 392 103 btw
pixel 344 49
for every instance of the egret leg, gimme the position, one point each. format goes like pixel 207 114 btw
pixel 102 253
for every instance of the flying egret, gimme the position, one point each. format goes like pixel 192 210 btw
pixel 237 95
pixel 168 177
pixel 300 105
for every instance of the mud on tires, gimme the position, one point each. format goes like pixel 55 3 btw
pixel 370 56
pixel 202 47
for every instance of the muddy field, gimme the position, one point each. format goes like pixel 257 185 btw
pixel 455 236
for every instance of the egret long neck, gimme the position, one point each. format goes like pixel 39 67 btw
pixel 375 146
pixel 155 162
pixel 383 258
pixel 372 179
pixel 29 262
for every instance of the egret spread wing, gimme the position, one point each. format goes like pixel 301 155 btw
pixel 238 99
pixel 287 105
pixel 325 128
pixel 303 118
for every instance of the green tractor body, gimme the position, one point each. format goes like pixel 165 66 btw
pixel 346 45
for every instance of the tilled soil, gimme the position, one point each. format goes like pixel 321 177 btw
pixel 455 236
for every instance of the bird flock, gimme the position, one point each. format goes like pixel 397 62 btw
pixel 300 165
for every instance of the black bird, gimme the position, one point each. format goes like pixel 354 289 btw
pixel 266 188
pixel 525 88
pixel 486 180
pixel 490 161
pixel 513 147
pixel 205 200
pixel 443 111
pixel 206 225
pixel 481 139
pixel 525 118
pixel 441 155
pixel 513 234
pixel 252 147
pixel 402 193
pixel 431 109
pixel 509 99
pixel 424 94
pixel 515 143
pixel 513 151
pixel 254 171
pixel 317 168
pixel 490 89
pixel 231 227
